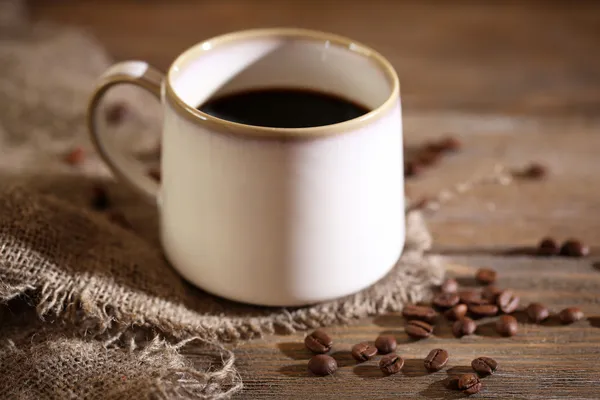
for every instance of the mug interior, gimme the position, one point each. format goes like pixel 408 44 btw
pixel 282 58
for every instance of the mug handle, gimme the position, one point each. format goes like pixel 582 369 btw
pixel 141 74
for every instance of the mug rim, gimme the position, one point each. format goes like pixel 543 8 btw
pixel 266 132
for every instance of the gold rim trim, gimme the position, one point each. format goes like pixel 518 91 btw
pixel 238 129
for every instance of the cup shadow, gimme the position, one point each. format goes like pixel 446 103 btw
pixel 594 321
pixel 294 350
pixel 368 371
pixel 414 367
pixel 401 336
pixel 459 370
pixel 344 358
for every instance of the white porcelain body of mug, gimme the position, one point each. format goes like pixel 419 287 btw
pixel 270 216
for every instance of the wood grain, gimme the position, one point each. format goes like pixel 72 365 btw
pixel 516 82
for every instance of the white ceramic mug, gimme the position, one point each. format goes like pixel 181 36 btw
pixel 272 216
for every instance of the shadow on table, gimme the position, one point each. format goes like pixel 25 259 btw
pixel 442 389
pixel 295 370
pixel 294 350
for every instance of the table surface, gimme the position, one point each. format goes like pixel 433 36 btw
pixel 516 83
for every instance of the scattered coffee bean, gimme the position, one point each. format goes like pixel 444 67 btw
pixel 436 360
pixel 322 365
pixel 422 313
pixel 469 296
pixel 318 341
pixel 483 310
pixel 508 302
pixel 537 312
pixel 446 300
pixel 534 171
pixel 507 325
pixel 485 276
pixel 412 168
pixel 100 199
pixel 154 173
pixel 449 286
pixel 385 344
pixel 451 382
pixel 115 113
pixel 418 329
pixel 363 352
pixel 574 248
pixel 469 384
pixel 464 326
pixel 391 364
pixel 547 247
pixel 484 365
pixel 457 312
pixel 490 293
pixel 570 315
pixel 75 157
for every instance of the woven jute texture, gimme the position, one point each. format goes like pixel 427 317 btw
pixel 90 307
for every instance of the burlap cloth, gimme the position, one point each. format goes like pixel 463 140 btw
pixel 91 309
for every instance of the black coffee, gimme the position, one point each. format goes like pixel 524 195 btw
pixel 283 108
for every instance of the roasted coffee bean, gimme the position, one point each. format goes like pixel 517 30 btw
pixel 446 300
pixel 490 293
pixel 484 365
pixel 412 168
pixel 422 313
pixel 485 276
pixel 449 286
pixel 456 312
pixel 115 113
pixel 436 359
pixel 547 247
pixel 469 296
pixel 537 312
pixel 418 329
pixel 570 315
pixel 100 200
pixel 385 344
pixel 75 157
pixel 318 341
pixel 451 382
pixel 574 248
pixel 322 365
pixel 507 325
pixel 469 384
pixel 464 326
pixel 391 364
pixel 483 310
pixel 508 302
pixel 363 351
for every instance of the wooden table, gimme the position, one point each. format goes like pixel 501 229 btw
pixel 516 83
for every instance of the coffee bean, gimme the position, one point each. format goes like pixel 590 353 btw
pixel 412 168
pixel 391 364
pixel 418 329
pixel 436 359
pixel 446 300
pixel 363 351
pixel 422 313
pixel 385 344
pixel 570 315
pixel 456 312
pixel 464 326
pixel 322 365
pixel 537 312
pixel 451 382
pixel 449 286
pixel 483 310
pixel 484 365
pixel 469 384
pixel 534 171
pixel 485 276
pixel 469 296
pixel 100 200
pixel 508 302
pixel 574 248
pixel 507 325
pixel 490 293
pixel 547 247
pixel 115 113
pixel 75 156
pixel 318 341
